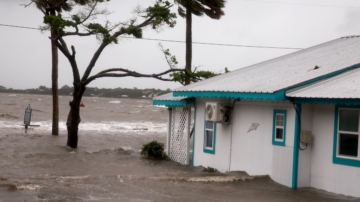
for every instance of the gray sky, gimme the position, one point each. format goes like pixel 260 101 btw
pixel 25 60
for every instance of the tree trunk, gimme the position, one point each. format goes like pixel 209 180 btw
pixel 188 42
pixel 54 77
pixel 74 119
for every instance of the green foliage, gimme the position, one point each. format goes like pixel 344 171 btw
pixel 182 76
pixel 211 8
pixel 132 30
pixel 195 76
pixel 162 14
pixel 172 58
pixel 154 149
pixel 58 23
pixel 103 32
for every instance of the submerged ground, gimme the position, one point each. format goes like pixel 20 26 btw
pixel 107 166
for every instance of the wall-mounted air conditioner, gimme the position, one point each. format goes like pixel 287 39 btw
pixel 215 112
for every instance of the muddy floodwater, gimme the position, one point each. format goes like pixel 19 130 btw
pixel 107 165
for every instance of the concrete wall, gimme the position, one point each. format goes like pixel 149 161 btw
pixel 253 151
pixel 341 179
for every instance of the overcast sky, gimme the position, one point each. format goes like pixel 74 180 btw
pixel 25 59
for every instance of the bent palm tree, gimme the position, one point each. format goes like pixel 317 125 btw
pixel 211 8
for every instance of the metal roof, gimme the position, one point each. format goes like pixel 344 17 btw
pixel 345 85
pixel 285 71
pixel 169 97
pixel 169 100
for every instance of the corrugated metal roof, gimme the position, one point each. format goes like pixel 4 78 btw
pixel 345 85
pixel 286 71
pixel 169 97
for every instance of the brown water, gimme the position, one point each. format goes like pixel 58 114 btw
pixel 107 165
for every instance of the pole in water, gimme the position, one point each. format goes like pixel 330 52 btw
pixel 27 117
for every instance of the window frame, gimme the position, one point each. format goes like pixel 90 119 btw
pixel 276 141
pixel 337 157
pixel 208 149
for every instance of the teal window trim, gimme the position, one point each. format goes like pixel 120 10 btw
pixel 274 140
pixel 206 149
pixel 338 159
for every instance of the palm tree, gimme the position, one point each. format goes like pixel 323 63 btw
pixel 211 8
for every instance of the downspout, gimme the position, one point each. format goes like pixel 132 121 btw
pixel 295 166
pixel 193 136
pixel 231 130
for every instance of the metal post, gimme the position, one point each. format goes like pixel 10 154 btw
pixel 27 117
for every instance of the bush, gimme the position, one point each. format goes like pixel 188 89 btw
pixel 154 149
pixel 210 170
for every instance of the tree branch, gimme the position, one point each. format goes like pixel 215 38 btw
pixel 79 34
pixel 63 44
pixel 106 73
pixel 71 57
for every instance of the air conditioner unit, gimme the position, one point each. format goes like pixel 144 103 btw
pixel 214 112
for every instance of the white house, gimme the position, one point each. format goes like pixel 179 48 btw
pixel 294 118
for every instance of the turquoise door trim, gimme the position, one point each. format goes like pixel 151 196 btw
pixel 274 141
pixel 336 159
pixel 280 95
pixel 295 165
pixel 193 146
pixel 173 103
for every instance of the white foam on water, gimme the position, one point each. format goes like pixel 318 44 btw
pixel 29 187
pixel 143 128
pixel 115 102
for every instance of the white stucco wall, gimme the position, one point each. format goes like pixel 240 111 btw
pixel 219 160
pixel 304 169
pixel 255 154
pixel 341 179
pixel 252 152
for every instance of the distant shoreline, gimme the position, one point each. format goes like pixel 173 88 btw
pixel 92 92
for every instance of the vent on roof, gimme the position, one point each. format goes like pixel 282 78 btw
pixel 315 68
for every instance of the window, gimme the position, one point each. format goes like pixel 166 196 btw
pixel 279 127
pixel 210 137
pixel 346 137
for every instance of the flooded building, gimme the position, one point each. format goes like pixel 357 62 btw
pixel 294 118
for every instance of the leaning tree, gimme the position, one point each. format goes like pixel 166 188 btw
pixel 187 8
pixel 82 24
pixel 55 7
